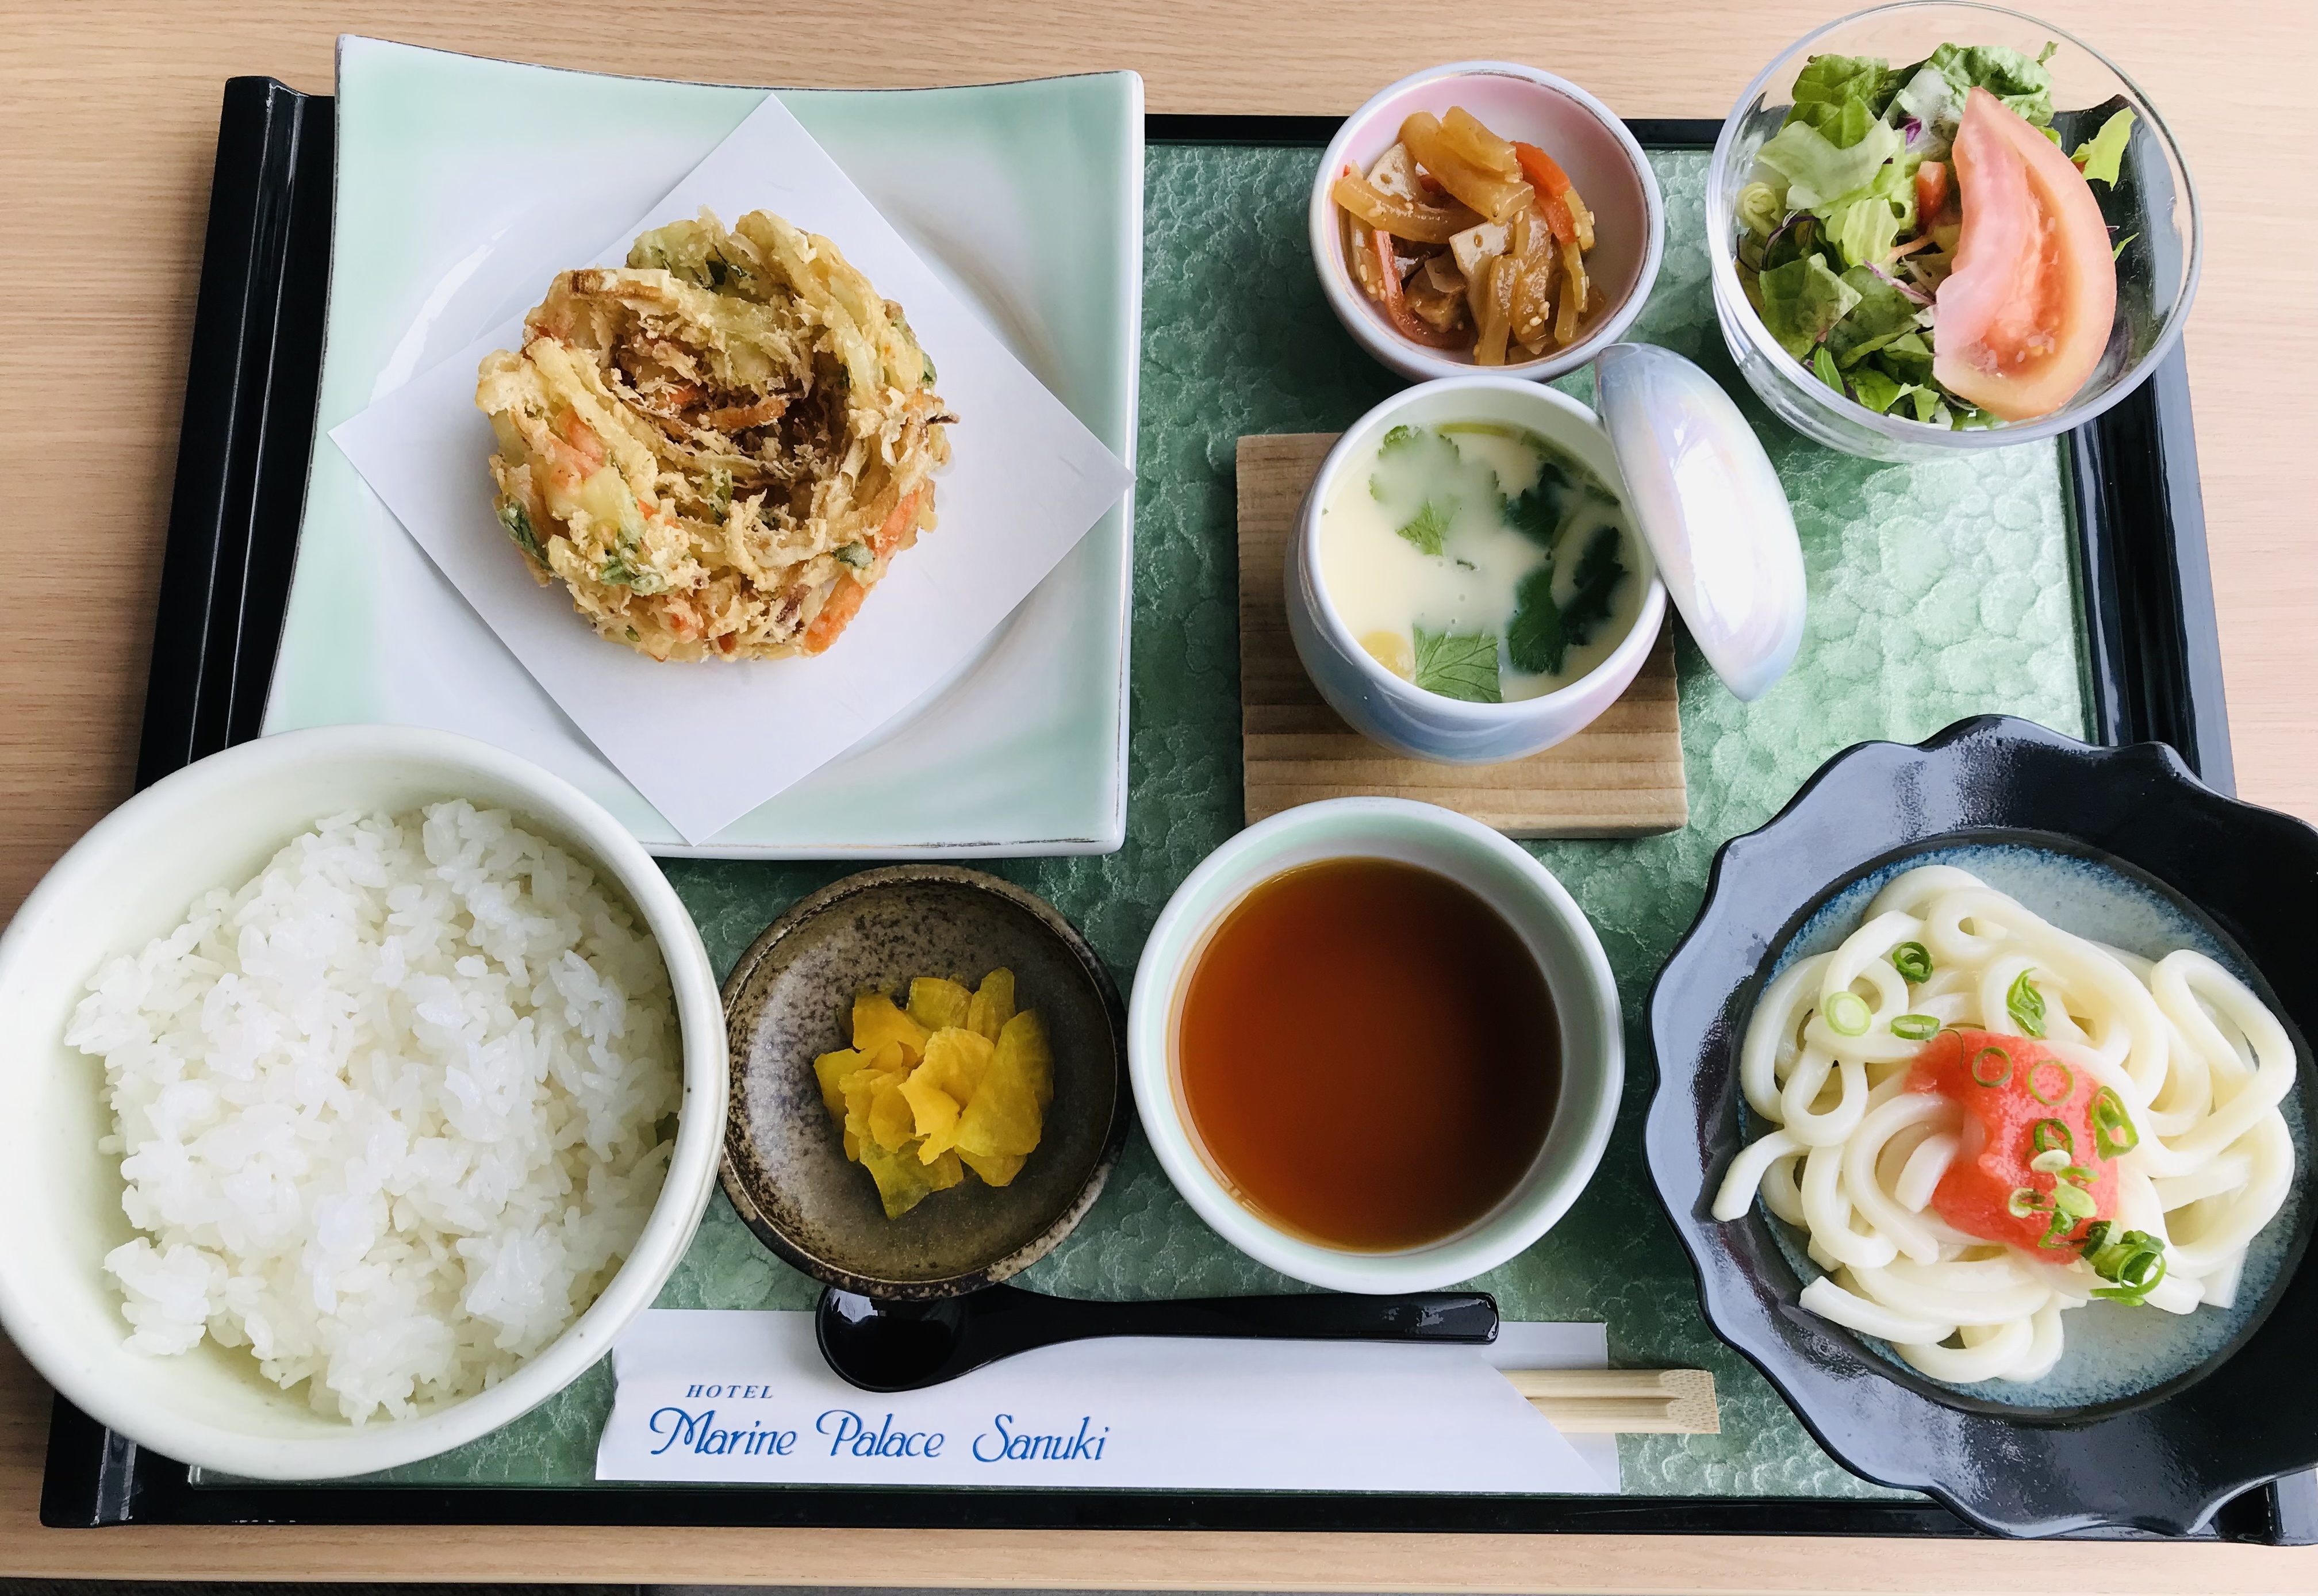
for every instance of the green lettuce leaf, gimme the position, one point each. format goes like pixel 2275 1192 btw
pixel 1932 100
pixel 1865 229
pixel 1804 235
pixel 1801 300
pixel 1841 96
pixel 1819 172
pixel 2098 156
pixel 1823 367
pixel 1761 208
pixel 1908 357
pixel 1882 316
pixel 1874 389
pixel 2020 81
pixel 1459 664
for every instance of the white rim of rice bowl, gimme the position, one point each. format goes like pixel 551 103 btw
pixel 44 1306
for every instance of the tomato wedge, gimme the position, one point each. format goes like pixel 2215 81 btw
pixel 2025 315
pixel 1932 191
pixel 2018 1101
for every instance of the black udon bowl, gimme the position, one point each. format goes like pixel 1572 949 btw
pixel 2161 1459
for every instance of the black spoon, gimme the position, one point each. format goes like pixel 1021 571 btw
pixel 905 1346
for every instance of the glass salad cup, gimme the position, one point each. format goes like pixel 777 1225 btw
pixel 2154 202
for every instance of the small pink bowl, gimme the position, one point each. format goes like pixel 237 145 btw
pixel 1520 102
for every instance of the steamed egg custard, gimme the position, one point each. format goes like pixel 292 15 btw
pixel 1478 560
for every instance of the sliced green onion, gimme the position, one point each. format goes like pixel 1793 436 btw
pixel 1848 1014
pixel 2024 1201
pixel 2067 1082
pixel 1980 1067
pixel 2051 1161
pixel 2079 1174
pixel 2056 1234
pixel 2113 1128
pixel 2073 1200
pixel 1912 960
pixel 1916 1027
pixel 2049 1134
pixel 2095 1236
pixel 2137 1275
pixel 2135 1261
pixel 2026 1004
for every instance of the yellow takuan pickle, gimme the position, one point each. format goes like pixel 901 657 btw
pixel 957 1080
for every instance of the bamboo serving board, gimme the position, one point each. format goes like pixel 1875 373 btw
pixel 1622 776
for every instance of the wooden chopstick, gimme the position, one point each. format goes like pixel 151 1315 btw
pixel 1622 1401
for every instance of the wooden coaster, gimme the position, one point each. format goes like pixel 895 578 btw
pixel 1622 776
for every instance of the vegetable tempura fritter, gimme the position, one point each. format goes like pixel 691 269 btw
pixel 720 447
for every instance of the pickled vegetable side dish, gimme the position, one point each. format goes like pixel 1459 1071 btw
pixel 1470 241
pixel 1917 238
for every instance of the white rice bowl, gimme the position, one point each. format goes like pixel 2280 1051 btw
pixel 390 1115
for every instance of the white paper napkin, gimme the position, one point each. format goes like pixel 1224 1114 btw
pixel 722 1395
pixel 707 742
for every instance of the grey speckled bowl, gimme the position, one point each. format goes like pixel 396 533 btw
pixel 789 999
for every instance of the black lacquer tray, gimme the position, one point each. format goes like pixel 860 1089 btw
pixel 248 434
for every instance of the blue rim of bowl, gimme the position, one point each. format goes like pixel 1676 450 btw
pixel 2161 1460
pixel 1725 273
pixel 1336 282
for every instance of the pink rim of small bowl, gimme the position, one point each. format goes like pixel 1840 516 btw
pixel 1583 135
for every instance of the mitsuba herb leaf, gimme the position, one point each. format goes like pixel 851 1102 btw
pixel 1538 510
pixel 1599 573
pixel 721 271
pixel 1543 630
pixel 518 522
pixel 620 573
pixel 1399 437
pixel 1430 525
pixel 1459 664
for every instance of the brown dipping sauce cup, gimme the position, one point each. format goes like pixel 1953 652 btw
pixel 1532 903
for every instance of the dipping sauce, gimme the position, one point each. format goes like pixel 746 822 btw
pixel 1479 561
pixel 1367 1054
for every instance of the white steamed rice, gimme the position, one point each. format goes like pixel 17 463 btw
pixel 392 1112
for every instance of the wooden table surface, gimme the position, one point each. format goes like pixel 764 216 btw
pixel 109 127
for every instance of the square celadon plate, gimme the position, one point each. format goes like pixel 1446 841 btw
pixel 1027 198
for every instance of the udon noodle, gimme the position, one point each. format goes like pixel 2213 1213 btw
pixel 2197 1063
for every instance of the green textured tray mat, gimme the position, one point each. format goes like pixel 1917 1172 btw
pixel 1936 592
